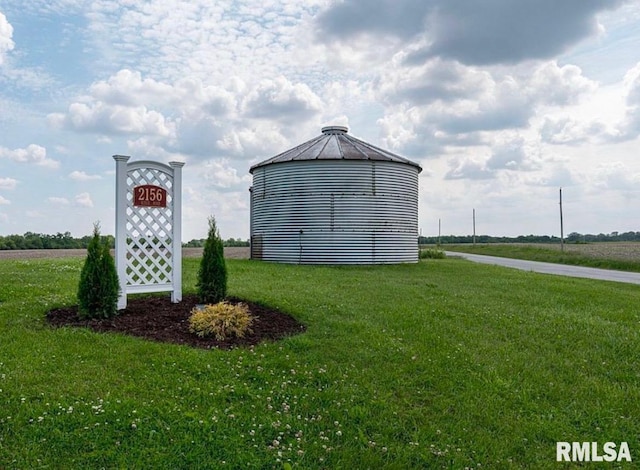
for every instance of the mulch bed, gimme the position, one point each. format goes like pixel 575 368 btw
pixel 157 319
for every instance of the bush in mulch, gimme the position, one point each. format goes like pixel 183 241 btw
pixel 158 319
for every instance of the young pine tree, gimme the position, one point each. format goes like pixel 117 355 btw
pixel 99 288
pixel 212 275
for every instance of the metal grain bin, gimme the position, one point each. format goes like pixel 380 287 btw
pixel 335 200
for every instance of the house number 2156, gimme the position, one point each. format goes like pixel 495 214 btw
pixel 149 195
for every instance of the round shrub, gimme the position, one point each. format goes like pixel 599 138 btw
pixel 432 253
pixel 223 320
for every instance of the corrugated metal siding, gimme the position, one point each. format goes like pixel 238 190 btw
pixel 335 212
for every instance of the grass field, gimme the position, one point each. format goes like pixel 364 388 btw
pixel 624 256
pixel 440 364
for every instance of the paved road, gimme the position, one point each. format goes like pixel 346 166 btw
pixel 551 268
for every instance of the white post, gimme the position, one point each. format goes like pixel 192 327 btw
pixel 176 239
pixel 474 227
pixel 561 224
pixel 121 227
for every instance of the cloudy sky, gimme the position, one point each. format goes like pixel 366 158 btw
pixel 502 102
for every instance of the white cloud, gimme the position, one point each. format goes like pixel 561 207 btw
pixel 6 33
pixel 58 201
pixel 406 130
pixel 229 207
pixel 211 41
pixel 609 115
pixel 260 141
pixel 8 183
pixel 4 201
pixel 83 176
pixel 438 105
pixel 84 200
pixel 190 118
pixel 150 148
pixel 128 88
pixel 193 94
pixel 80 200
pixel 568 131
pixel 513 154
pixel 220 175
pixel 282 100
pixel 555 85
pixel 508 152
pixel 340 96
pixel 434 81
pixel 198 135
pixel 555 176
pixel 468 168
pixel 50 6
pixel 629 128
pixel 32 154
pixel 617 176
pixel 102 118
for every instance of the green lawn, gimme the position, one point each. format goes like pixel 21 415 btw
pixel 572 255
pixel 441 364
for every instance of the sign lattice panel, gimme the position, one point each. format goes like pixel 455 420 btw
pixel 149 229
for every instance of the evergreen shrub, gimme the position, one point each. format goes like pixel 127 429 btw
pixel 99 288
pixel 212 275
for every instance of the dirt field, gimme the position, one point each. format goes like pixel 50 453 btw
pixel 229 252
pixel 629 251
pixel 614 250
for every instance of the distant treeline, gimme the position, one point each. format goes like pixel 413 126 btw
pixel 230 242
pixel 573 237
pixel 40 241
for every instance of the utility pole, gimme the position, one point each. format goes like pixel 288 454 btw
pixel 561 224
pixel 474 227
pixel 439 227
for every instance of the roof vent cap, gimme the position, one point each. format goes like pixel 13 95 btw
pixel 329 130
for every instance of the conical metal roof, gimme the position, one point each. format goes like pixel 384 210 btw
pixel 335 144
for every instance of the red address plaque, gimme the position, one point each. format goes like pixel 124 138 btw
pixel 149 195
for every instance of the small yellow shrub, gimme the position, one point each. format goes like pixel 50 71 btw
pixel 222 320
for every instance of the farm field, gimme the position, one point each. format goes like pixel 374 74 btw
pixel 229 253
pixel 439 364
pixel 628 251
pixel 624 256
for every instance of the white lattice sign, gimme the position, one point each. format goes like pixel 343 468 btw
pixel 148 227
